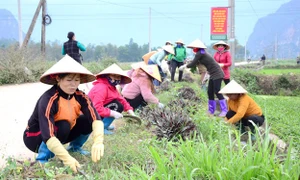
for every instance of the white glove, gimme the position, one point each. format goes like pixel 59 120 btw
pixel 161 105
pixel 181 68
pixel 115 114
pixel 131 113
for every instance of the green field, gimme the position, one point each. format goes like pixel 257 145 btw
pixel 279 71
pixel 133 152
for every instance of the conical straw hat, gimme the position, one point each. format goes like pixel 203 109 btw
pixel 66 65
pixel 115 69
pixel 179 41
pixel 196 44
pixel 137 65
pixel 152 70
pixel 215 46
pixel 169 49
pixel 233 88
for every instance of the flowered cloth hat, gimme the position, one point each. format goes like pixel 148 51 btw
pixel 233 88
pixel 66 65
pixel 115 69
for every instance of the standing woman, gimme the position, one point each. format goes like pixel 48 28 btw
pixel 216 76
pixel 140 91
pixel 72 47
pixel 223 58
pixel 177 59
pixel 64 114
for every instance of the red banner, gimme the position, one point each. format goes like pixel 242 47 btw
pixel 219 16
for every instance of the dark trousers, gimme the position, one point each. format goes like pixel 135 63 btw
pixel 137 102
pixel 213 89
pixel 62 130
pixel 226 81
pixel 115 105
pixel 258 120
pixel 175 64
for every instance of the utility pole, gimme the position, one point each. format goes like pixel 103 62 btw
pixel 20 24
pixel 43 38
pixel 28 34
pixel 201 32
pixel 275 49
pixel 231 34
pixel 149 29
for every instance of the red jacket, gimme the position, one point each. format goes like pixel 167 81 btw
pixel 102 93
pixel 224 58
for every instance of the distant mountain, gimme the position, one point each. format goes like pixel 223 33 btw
pixel 277 35
pixel 8 25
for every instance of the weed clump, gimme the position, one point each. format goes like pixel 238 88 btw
pixel 170 123
pixel 188 93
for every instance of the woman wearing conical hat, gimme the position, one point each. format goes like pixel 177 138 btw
pixel 64 114
pixel 242 108
pixel 157 59
pixel 215 78
pixel 177 59
pixel 106 98
pixel 140 91
pixel 223 58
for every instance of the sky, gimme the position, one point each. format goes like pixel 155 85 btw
pixel 116 21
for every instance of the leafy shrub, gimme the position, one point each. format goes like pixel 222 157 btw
pixel 283 82
pixel 248 79
pixel 19 65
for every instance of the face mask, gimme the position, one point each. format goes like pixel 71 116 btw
pixel 179 45
pixel 113 82
pixel 221 48
pixel 195 50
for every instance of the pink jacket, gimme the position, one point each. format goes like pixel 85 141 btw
pixel 141 84
pixel 103 93
pixel 224 58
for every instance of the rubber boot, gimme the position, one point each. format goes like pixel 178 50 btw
pixel 76 144
pixel 111 127
pixel 180 75
pixel 211 107
pixel 107 122
pixel 253 132
pixel 223 107
pixel 44 153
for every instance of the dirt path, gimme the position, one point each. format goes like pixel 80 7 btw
pixel 17 104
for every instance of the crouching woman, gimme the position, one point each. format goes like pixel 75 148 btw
pixel 242 108
pixel 64 114
pixel 140 91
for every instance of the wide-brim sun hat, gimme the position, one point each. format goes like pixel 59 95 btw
pixel 169 42
pixel 115 69
pixel 169 49
pixel 196 44
pixel 66 65
pixel 233 88
pixel 215 46
pixel 179 41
